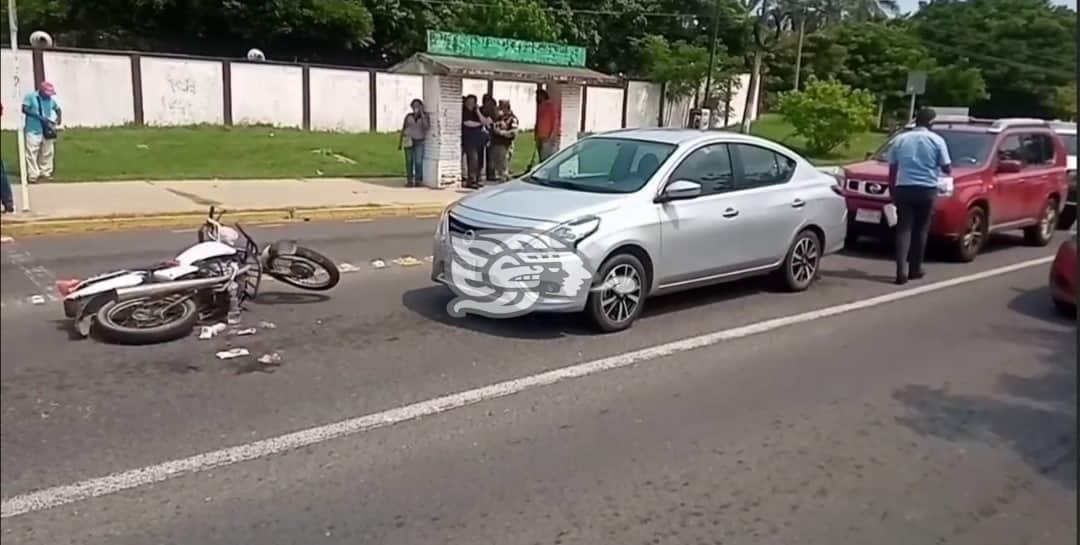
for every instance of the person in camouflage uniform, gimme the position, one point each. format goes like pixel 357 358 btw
pixel 503 133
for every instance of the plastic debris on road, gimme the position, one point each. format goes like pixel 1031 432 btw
pixel 378 264
pixel 245 332
pixel 233 353
pixel 37 299
pixel 348 268
pixel 272 358
pixel 211 331
pixel 267 325
pixel 407 261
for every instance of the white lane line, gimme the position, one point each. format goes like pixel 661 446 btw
pixel 126 480
pixel 42 278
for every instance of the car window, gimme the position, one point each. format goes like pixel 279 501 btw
pixel 709 166
pixel 1011 149
pixel 966 148
pixel 1040 149
pixel 761 167
pixel 603 165
pixel 1070 143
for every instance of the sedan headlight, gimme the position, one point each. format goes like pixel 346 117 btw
pixel 573 232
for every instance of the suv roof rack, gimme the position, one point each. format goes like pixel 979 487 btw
pixel 993 125
pixel 1015 122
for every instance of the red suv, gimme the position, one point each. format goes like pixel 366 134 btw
pixel 1008 174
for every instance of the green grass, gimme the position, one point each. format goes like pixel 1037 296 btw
pixel 204 152
pixel 773 127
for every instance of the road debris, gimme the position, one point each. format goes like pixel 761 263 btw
pixel 37 299
pixel 378 264
pixel 245 332
pixel 272 358
pixel 211 331
pixel 267 325
pixel 233 353
pixel 407 261
pixel 429 258
pixel 348 268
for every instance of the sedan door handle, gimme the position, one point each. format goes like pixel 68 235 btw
pixel 730 213
pixel 798 203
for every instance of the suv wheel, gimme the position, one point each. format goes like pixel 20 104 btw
pixel 1067 217
pixel 973 239
pixel 619 297
pixel 1042 233
pixel 803 263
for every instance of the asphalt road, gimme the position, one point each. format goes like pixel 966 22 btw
pixel 944 417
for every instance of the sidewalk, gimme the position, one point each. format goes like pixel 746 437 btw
pixel 107 206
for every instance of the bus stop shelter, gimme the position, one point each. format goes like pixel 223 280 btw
pixel 451 58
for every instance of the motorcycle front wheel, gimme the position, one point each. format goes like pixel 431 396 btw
pixel 306 269
pixel 146 320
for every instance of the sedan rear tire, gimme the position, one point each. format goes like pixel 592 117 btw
pixel 803 262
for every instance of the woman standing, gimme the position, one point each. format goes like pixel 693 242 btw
pixel 473 139
pixel 414 132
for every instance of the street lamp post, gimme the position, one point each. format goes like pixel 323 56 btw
pixel 13 27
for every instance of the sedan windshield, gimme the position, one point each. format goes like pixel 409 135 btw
pixel 966 148
pixel 603 165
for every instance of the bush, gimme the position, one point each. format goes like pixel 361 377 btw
pixel 827 113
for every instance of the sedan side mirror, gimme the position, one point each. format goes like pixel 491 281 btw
pixel 680 190
pixel 1009 166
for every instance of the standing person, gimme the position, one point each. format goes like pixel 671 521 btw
pixel 503 133
pixel 916 160
pixel 6 197
pixel 414 131
pixel 473 137
pixel 490 110
pixel 547 125
pixel 43 118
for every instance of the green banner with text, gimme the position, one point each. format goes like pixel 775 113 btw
pixel 503 49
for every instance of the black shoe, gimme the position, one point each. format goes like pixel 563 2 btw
pixel 900 280
pixel 916 275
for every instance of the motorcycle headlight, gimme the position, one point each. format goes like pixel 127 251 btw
pixel 573 232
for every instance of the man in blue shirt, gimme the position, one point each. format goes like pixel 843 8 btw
pixel 917 159
pixel 43 116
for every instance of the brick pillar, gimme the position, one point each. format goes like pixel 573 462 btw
pixel 568 99
pixel 442 152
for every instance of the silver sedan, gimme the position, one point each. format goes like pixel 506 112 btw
pixel 645 212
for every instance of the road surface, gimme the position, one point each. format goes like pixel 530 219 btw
pixel 922 417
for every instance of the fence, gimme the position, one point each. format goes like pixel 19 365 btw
pixel 113 88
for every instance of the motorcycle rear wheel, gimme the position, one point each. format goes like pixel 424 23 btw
pixel 117 322
pixel 311 259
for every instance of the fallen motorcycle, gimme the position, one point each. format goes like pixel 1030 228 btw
pixel 208 281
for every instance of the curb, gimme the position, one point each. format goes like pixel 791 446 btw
pixel 102 224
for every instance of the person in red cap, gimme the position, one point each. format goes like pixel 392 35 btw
pixel 43 117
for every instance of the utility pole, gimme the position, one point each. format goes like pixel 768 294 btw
pixel 798 53
pixel 13 27
pixel 712 62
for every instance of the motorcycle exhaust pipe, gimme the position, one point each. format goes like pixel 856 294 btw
pixel 165 288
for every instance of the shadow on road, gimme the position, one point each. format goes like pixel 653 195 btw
pixel 271 298
pixel 431 302
pixel 1034 414
pixel 936 251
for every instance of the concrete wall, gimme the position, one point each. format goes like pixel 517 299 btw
pixel 11 97
pixel 96 90
pixel 182 92
pixel 338 100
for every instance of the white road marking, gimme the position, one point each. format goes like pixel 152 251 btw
pixel 42 278
pixel 126 480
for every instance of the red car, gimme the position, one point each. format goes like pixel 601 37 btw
pixel 1063 278
pixel 1008 174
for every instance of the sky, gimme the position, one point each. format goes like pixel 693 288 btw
pixel 910 5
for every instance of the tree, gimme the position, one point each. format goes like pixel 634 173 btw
pixel 766 29
pixel 827 114
pixel 1024 49
pixel 1065 102
pixel 954 86
pixel 683 68
pixel 519 19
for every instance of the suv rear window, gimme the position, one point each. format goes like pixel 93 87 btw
pixel 966 148
pixel 1070 143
